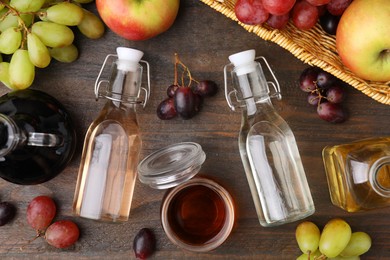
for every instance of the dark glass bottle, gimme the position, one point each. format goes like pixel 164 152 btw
pixel 37 138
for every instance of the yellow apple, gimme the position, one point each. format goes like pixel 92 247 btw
pixel 363 39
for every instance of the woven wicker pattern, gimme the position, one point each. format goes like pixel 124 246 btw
pixel 314 47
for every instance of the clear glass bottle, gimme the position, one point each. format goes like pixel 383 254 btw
pixel 267 145
pixel 358 174
pixel 37 137
pixel 109 161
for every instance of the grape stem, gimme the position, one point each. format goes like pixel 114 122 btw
pixel 186 72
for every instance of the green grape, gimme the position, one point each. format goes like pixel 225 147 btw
pixel 344 258
pixel 21 70
pixel 12 20
pixel 313 256
pixel 10 40
pixel 307 235
pixel 65 13
pixel 83 1
pixel 52 34
pixel 359 244
pixel 37 51
pixel 335 237
pixel 27 5
pixel 91 26
pixel 4 75
pixel 65 54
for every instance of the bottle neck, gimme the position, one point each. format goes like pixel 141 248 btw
pixel 379 176
pixel 124 87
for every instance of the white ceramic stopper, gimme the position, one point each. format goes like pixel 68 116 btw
pixel 243 61
pixel 128 58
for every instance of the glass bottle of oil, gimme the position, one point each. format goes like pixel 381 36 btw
pixel 358 174
pixel 107 173
pixel 267 145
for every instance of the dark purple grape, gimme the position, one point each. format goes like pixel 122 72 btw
pixel 329 23
pixel 313 98
pixel 325 80
pixel 7 212
pixel 185 102
pixel 172 89
pixel 144 243
pixel 166 109
pixel 331 112
pixel 335 94
pixel 205 88
pixel 308 78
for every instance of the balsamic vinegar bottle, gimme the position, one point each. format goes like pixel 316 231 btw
pixel 37 137
pixel 107 173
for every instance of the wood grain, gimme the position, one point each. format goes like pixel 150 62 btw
pixel 204 39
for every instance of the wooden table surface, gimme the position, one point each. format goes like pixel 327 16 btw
pixel 204 39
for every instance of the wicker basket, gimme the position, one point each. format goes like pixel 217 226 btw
pixel 314 47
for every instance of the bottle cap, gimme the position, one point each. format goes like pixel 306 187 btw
pixel 172 165
pixel 128 58
pixel 243 61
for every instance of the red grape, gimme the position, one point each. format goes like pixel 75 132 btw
pixel 304 15
pixel 325 80
pixel 171 90
pixel 278 21
pixel 329 22
pixel 313 98
pixel 278 7
pixel 62 234
pixel 205 88
pixel 7 212
pixel 318 2
pixel 337 7
pixel 251 12
pixel 331 112
pixel 166 109
pixel 335 94
pixel 308 78
pixel 186 102
pixel 40 212
pixel 144 243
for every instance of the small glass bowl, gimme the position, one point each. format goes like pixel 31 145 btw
pixel 197 214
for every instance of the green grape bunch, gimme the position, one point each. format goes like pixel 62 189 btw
pixel 33 32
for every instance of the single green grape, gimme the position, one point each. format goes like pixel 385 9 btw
pixel 21 70
pixel 307 235
pixel 27 5
pixel 37 51
pixel 52 34
pixel 10 40
pixel 64 13
pixel 4 75
pixel 344 258
pixel 359 244
pixel 65 54
pixel 313 256
pixel 91 25
pixel 11 20
pixel 335 237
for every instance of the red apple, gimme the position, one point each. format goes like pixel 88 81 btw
pixel 138 19
pixel 362 39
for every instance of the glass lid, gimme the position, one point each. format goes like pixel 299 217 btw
pixel 172 165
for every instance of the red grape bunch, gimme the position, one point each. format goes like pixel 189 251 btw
pixel 183 99
pixel 304 14
pixel 325 92
pixel 40 214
